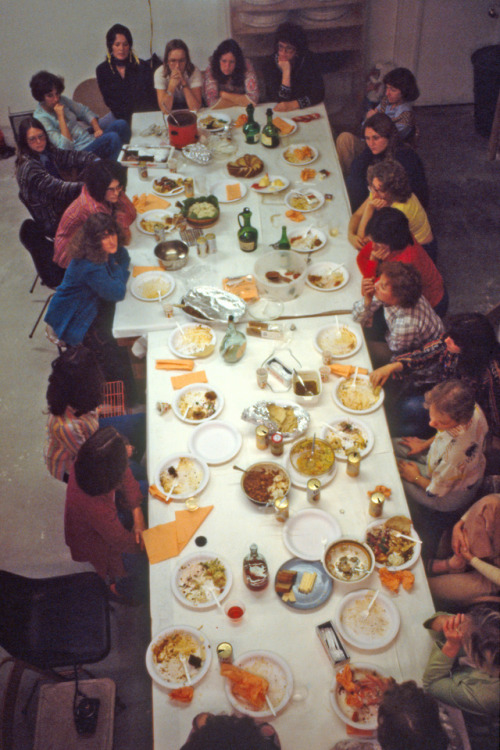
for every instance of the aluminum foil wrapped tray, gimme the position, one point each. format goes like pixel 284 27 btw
pixel 212 303
pixel 278 416
pixel 197 152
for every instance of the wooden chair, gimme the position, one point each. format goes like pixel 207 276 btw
pixel 87 92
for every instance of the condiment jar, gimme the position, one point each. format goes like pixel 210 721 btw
pixel 276 444
pixel 255 570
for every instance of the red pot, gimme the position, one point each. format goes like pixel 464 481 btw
pixel 182 127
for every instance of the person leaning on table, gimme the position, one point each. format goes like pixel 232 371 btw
pixel 230 79
pixel 178 82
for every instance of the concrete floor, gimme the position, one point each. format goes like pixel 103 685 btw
pixel 465 218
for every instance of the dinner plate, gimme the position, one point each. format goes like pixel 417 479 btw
pixel 219 190
pixel 220 116
pixel 270 188
pixel 368 410
pixel 369 724
pixel 288 121
pixel 175 191
pixel 275 669
pixel 291 149
pixel 144 284
pixel 300 481
pixel 323 585
pixel 347 442
pixel 417 549
pixel 215 442
pixel 362 633
pixel 327 272
pixel 304 533
pixel 300 245
pixel 325 341
pixel 184 395
pixel 156 215
pixel 194 488
pixel 195 579
pixel 316 200
pixel 195 674
pixel 258 414
pixel 181 345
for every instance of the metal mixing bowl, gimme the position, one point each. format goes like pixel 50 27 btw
pixel 172 254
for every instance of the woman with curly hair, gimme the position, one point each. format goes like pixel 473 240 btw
pixel 178 82
pixel 225 732
pixel 389 186
pixel 230 79
pixel 401 91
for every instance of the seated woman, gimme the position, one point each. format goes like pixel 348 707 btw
pixel 410 319
pixel 103 192
pixel 445 478
pixel 230 79
pixel 62 119
pixel 408 719
pixel 225 732
pixel 293 78
pixel 468 565
pixel 389 186
pixel 468 350
pixel 463 670
pixel 82 309
pixel 93 529
pixel 178 82
pixel 40 170
pixel 125 81
pixel 382 142
pixel 391 240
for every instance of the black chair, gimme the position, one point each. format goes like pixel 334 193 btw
pixel 47 624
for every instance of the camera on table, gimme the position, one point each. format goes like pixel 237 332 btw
pixel 85 714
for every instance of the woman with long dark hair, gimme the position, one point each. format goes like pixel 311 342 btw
pixel 230 78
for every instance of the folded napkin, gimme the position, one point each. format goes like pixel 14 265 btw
pixel 143 269
pixel 294 215
pixel 345 371
pixel 147 202
pixel 169 539
pixel 283 127
pixel 179 381
pixel 244 287
pixel 175 364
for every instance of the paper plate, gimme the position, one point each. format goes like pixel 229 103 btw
pixel 327 272
pixel 316 199
pixel 219 190
pixel 323 585
pixel 199 482
pixel 301 245
pixel 279 675
pixel 271 188
pixel 370 724
pixel 305 532
pixel 327 334
pixel 187 581
pixel 182 342
pixel 362 634
pixel 149 281
pixel 205 117
pixel 183 399
pixel 417 549
pixel 175 191
pixel 340 404
pixel 155 215
pixel 344 435
pixel 289 152
pixel 195 674
pixel 215 442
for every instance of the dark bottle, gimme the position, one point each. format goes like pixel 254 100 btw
pixel 251 129
pixel 247 234
pixel 255 570
pixel 234 343
pixel 270 137
pixel 284 243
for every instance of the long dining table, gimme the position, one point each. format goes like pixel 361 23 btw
pixel 234 523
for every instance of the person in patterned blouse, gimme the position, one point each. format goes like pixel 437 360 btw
pixel 230 79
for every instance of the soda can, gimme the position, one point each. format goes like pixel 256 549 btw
pixel 313 490
pixel 225 653
pixel 211 242
pixel 376 506
pixel 262 437
pixel 281 509
pixel 202 246
pixel 353 462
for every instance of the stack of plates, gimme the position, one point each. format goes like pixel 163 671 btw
pixel 263 20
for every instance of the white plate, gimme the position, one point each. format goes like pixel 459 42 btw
pixel 219 190
pixel 274 662
pixel 331 329
pixel 157 214
pixel 175 191
pixel 300 481
pixel 303 533
pixel 195 558
pixel 174 461
pixel 197 387
pixel 270 189
pixel 289 121
pixel 323 269
pixel 334 699
pixel 366 431
pixel 368 642
pixel 370 409
pixel 139 281
pixel 176 344
pixel 313 233
pixel 215 442
pixel 290 149
pixel 221 116
pixel 417 549
pixel 195 674
pixel 314 195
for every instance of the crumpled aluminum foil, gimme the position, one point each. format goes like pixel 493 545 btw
pixel 258 413
pixel 197 152
pixel 213 304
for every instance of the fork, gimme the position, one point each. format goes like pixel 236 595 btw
pixel 183 661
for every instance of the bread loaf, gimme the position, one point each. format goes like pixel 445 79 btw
pixel 247 165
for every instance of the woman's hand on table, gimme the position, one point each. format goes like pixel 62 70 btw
pixel 286 106
pixel 380 376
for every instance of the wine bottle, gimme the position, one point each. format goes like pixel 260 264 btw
pixel 284 243
pixel 251 129
pixel 233 344
pixel 247 234
pixel 270 137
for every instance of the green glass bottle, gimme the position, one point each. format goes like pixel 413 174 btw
pixel 251 129
pixel 270 137
pixel 233 344
pixel 284 243
pixel 247 234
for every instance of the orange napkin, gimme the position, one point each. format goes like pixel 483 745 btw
pixel 179 381
pixel 246 288
pixel 283 127
pixel 174 364
pixel 147 202
pixel 295 215
pixel 143 269
pixel 345 371
pixel 392 579
pixel 240 121
pixel 307 174
pixel 359 732
pixel 169 539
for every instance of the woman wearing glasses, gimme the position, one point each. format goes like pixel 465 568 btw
pixel 178 82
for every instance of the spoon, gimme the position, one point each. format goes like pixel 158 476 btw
pixel 307 392
pixel 276 277
pixel 238 468
pixel 366 612
pixel 209 587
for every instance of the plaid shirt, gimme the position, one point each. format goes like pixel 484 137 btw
pixel 409 328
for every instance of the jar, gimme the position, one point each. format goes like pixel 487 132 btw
pixel 277 444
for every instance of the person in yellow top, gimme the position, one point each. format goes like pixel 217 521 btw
pixel 389 186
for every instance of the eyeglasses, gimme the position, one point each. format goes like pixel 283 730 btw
pixel 37 138
pixel 285 47
pixel 114 189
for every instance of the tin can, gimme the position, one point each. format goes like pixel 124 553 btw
pixel 313 490
pixel 281 509
pixel 324 373
pixel 142 168
pixel 327 358
pixel 225 653
pixel 277 444
pixel 168 309
pixel 262 437
pixel 160 233
pixel 261 373
pixel 189 187
pixel 376 506
pixel 353 462
pixel 211 242
pixel 202 246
